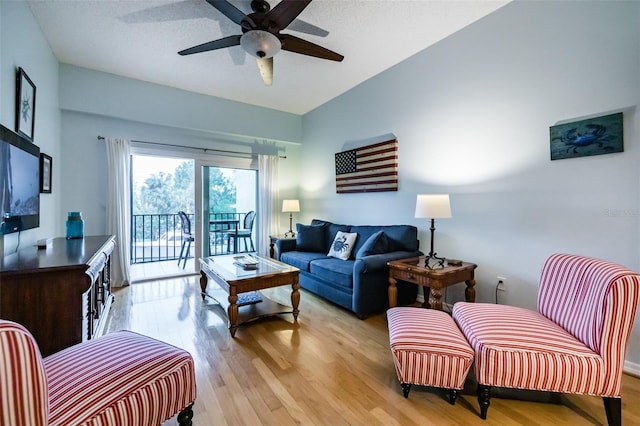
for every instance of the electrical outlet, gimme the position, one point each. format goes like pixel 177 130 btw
pixel 502 282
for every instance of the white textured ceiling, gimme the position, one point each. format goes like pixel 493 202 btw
pixel 140 39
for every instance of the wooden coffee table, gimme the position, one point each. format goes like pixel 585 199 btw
pixel 232 280
pixel 432 280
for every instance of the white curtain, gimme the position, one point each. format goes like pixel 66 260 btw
pixel 119 208
pixel 267 201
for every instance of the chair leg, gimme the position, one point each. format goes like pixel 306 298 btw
pixel 181 251
pixel 406 387
pixel 613 408
pixel 246 244
pixel 185 416
pixel 483 400
pixel 453 395
pixel 186 256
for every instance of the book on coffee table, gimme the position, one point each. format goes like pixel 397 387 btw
pixel 245 262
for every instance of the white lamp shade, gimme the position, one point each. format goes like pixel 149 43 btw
pixel 290 206
pixel 433 206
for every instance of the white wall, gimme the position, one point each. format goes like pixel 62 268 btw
pixel 95 103
pixel 22 44
pixel 472 117
pixel 109 95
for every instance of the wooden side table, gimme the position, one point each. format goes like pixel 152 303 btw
pixel 432 280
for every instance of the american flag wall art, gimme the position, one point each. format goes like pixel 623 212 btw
pixel 371 168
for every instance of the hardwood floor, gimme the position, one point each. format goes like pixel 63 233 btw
pixel 329 369
pixel 141 272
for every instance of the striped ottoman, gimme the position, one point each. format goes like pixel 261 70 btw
pixel 428 349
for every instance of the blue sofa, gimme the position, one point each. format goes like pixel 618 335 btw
pixel 359 283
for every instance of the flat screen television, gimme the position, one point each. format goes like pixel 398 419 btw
pixel 19 183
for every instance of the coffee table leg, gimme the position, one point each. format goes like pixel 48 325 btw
pixel 203 283
pixel 470 291
pixel 232 313
pixel 295 298
pixel 393 292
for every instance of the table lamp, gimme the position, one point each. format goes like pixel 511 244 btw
pixel 433 206
pixel 290 206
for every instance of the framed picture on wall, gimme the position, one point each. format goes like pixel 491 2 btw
pixel 25 105
pixel 45 173
pixel 593 136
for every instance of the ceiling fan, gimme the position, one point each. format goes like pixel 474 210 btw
pixel 261 35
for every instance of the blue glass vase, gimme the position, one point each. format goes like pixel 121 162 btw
pixel 75 226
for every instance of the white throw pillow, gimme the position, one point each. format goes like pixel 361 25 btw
pixel 342 245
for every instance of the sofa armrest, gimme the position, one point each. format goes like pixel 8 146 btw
pixel 284 245
pixel 371 281
pixel 376 262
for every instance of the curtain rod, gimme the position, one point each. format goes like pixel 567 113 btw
pixel 249 154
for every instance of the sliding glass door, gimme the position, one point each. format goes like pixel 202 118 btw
pixel 218 195
pixel 161 186
pixel 226 206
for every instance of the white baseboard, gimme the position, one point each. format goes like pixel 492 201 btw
pixel 447 307
pixel 631 368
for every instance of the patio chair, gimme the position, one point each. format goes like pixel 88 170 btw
pixel 245 233
pixel 187 238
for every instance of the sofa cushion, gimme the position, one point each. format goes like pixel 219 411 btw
pixel 532 351
pixel 310 238
pixel 375 244
pixel 402 237
pixel 336 271
pixel 331 229
pixel 364 232
pixel 301 259
pixel 342 245
pixel 399 237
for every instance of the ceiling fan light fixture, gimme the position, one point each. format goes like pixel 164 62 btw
pixel 259 43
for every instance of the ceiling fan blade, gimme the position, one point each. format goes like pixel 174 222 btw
pixel 298 45
pixel 164 13
pixel 304 27
pixel 228 10
pixel 212 45
pixel 285 12
pixel 265 65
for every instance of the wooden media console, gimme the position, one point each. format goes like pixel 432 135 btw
pixel 61 294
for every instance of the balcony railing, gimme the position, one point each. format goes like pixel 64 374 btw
pixel 158 237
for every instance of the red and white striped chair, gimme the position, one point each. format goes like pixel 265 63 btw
pixel 574 343
pixel 120 379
